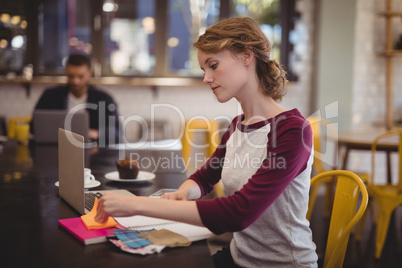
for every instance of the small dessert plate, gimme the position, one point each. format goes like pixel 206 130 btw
pixel 92 184
pixel 141 177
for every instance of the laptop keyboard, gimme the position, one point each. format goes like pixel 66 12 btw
pixel 90 200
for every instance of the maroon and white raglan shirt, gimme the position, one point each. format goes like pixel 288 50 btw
pixel 265 169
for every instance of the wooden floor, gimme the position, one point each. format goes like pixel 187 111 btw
pixel 361 254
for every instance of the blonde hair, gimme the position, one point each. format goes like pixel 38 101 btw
pixel 238 34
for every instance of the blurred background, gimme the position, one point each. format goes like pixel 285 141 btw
pixel 142 55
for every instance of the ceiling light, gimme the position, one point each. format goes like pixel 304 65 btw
pixel 24 24
pixel 3 43
pixel 173 42
pixel 4 18
pixel 109 6
pixel 15 20
pixel 18 41
pixel 149 25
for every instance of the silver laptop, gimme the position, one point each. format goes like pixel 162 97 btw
pixel 71 172
pixel 47 122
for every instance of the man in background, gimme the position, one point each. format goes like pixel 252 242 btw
pixel 102 110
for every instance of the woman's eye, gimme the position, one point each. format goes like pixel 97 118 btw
pixel 213 66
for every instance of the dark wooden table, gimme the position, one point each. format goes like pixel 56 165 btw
pixel 30 208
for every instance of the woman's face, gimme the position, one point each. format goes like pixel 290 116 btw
pixel 225 73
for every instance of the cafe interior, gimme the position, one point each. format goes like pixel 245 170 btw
pixel 343 61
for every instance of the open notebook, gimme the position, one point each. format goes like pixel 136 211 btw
pixel 192 232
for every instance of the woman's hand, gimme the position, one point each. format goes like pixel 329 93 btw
pixel 189 190
pixel 115 205
pixel 118 205
pixel 178 195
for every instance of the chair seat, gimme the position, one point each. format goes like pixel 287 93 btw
pixel 385 190
pixel 364 176
pixel 387 197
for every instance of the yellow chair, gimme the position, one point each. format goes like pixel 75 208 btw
pixel 387 196
pixel 344 216
pixel 211 130
pixel 317 126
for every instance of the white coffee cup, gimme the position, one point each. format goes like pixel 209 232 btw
pixel 89 178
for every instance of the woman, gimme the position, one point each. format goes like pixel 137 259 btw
pixel 264 160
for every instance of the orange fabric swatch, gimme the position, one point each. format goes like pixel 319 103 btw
pixel 89 219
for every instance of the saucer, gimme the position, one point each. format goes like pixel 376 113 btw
pixel 93 184
pixel 141 177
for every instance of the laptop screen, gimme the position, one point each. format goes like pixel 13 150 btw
pixel 47 122
pixel 71 169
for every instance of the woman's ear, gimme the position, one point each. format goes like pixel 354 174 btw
pixel 248 56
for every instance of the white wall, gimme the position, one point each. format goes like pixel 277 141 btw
pixel 369 85
pixel 336 57
pixel 176 103
pixel 369 93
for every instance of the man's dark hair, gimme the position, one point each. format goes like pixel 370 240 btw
pixel 79 60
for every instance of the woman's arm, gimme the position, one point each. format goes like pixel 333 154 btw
pixel 189 190
pixel 117 205
pixel 237 211
pixel 168 207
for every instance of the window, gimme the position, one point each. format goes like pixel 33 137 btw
pixel 139 38
pixel 267 14
pixel 13 38
pixel 129 37
pixel 188 19
pixel 64 27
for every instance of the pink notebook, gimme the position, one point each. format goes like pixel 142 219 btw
pixel 94 236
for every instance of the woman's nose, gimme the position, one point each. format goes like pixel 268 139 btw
pixel 207 79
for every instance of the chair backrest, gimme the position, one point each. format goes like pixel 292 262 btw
pixel 379 139
pixel 344 216
pixel 211 130
pixel 209 127
pixel 315 124
pixel 318 125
